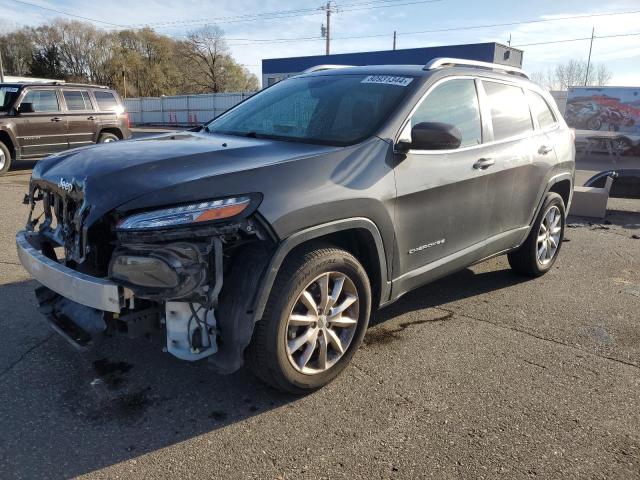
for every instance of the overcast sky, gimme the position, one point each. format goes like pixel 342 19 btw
pixel 359 18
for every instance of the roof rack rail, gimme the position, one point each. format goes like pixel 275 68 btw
pixel 318 68
pixel 459 62
pixel 80 85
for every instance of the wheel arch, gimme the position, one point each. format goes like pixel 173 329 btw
pixel 359 236
pixel 562 184
pixel 113 130
pixel 563 188
pixel 8 142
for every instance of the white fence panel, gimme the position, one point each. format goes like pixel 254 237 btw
pixel 181 109
pixel 560 96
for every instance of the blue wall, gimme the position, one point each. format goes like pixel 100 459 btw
pixel 410 56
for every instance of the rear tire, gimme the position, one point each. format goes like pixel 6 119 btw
pixel 5 159
pixel 107 138
pixel 538 253
pixel 272 354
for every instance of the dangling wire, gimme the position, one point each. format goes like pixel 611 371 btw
pixel 201 323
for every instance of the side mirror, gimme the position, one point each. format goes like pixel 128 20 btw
pixel 25 108
pixel 435 136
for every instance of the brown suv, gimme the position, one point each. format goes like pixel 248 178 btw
pixel 40 119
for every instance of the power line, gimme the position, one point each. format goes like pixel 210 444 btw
pixel 229 19
pixel 67 13
pixel 439 30
pixel 277 13
pixel 596 37
pixel 280 14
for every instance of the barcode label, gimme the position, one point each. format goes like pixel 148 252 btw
pixel 388 80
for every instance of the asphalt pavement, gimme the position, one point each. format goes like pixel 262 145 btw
pixel 484 374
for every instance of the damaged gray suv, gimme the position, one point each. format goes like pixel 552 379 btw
pixel 271 233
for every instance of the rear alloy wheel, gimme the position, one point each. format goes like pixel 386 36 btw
pixel 538 253
pixel 107 138
pixel 315 319
pixel 549 232
pixel 5 159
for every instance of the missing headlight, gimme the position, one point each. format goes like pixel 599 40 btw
pixel 171 271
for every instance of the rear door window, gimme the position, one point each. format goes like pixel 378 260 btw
pixel 509 110
pixel 106 100
pixel 540 109
pixel 42 100
pixel 77 100
pixel 454 102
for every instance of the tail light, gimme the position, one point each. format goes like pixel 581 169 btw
pixel 125 115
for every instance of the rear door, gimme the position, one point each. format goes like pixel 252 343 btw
pixel 441 206
pixel 44 131
pixel 515 173
pixel 81 117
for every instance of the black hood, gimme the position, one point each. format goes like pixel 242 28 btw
pixel 112 174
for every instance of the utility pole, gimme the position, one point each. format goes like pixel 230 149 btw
pixel 394 39
pixel 326 31
pixel 509 42
pixel 1 70
pixel 586 75
pixel 124 81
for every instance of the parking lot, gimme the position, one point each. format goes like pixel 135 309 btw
pixel 481 374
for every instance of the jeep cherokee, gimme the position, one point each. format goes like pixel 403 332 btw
pixel 41 118
pixel 270 233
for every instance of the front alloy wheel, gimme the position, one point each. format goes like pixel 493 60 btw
pixel 5 159
pixel 322 323
pixel 314 321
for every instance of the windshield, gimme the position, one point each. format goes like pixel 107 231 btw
pixel 8 94
pixel 333 109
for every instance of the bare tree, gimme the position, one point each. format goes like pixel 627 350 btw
pixel 16 50
pixel 206 51
pixel 602 75
pixel 571 74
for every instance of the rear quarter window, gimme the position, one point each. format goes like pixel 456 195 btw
pixel 540 110
pixel 106 101
pixel 509 110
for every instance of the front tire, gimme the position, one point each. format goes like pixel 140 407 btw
pixel 315 319
pixel 538 253
pixel 5 159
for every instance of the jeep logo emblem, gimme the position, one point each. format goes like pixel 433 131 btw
pixel 66 186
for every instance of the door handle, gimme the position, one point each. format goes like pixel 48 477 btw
pixel 91 118
pixel 56 119
pixel 483 163
pixel 544 149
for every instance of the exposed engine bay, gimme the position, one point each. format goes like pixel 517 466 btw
pixel 168 279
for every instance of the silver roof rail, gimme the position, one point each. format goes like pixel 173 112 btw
pixel 460 62
pixel 317 68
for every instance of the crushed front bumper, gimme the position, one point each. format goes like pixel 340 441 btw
pixel 97 293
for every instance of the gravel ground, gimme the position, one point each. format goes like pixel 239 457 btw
pixel 483 374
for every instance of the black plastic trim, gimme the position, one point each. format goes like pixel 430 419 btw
pixel 314 232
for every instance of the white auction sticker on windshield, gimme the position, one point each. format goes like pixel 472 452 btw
pixel 388 80
pixel 10 89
